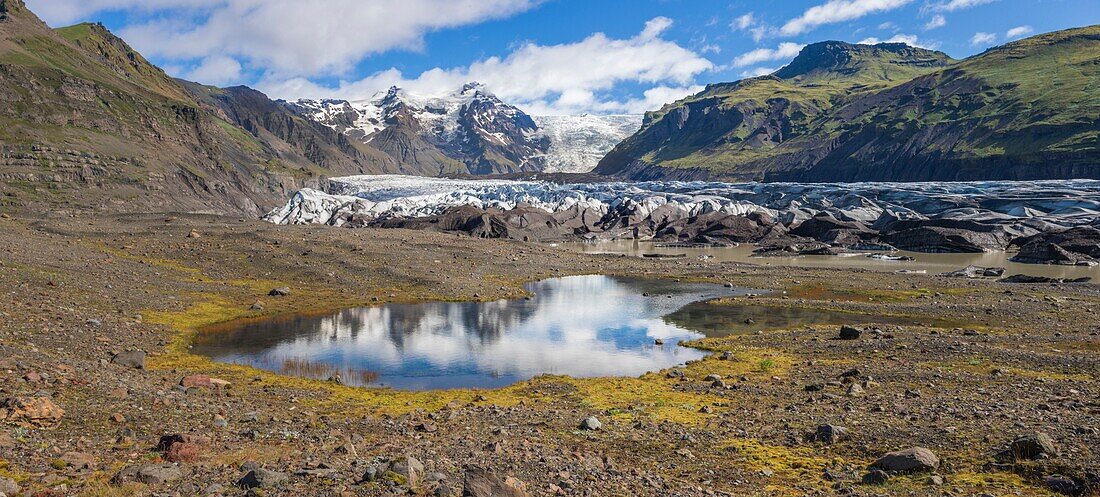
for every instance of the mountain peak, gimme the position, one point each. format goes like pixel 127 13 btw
pixel 889 61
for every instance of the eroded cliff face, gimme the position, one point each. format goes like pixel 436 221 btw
pixel 887 112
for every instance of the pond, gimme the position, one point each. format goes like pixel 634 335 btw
pixel 931 264
pixel 580 326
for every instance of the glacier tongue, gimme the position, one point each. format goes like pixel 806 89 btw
pixel 1039 204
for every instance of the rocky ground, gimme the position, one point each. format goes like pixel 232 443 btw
pixel 99 395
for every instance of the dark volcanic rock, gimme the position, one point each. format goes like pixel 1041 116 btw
pixel 1027 279
pixel 850 333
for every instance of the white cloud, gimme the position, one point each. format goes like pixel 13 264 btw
pixel 757 30
pixel 744 22
pixel 216 70
pixel 835 11
pixel 59 12
pixel 983 39
pixel 785 50
pixel 887 26
pixel 937 21
pixel 953 5
pixel 1019 32
pixel 758 71
pixel 309 37
pixel 568 76
pixel 910 40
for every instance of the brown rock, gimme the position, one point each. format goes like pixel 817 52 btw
pixel 79 460
pixel 31 412
pixel 480 482
pixel 203 381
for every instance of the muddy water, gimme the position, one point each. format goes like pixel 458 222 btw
pixel 931 263
pixel 724 320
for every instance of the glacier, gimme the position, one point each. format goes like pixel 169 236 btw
pixel 1060 203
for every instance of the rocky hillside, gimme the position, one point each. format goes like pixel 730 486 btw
pixel 888 112
pixel 469 131
pixel 87 122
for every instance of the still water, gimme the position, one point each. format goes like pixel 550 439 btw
pixel 581 326
pixel 931 263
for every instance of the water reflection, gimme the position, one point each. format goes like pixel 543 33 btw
pixel 580 326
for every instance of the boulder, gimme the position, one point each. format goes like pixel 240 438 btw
pixel 850 333
pixel 279 292
pixel 910 460
pixel 830 434
pixel 8 486
pixel 203 381
pixel 31 412
pixel 480 482
pixel 130 358
pixel 1036 445
pixel 411 469
pixel 591 423
pixel 261 478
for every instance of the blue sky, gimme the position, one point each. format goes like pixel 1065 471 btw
pixel 548 56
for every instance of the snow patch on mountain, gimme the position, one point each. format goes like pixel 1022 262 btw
pixel 456 122
pixel 577 143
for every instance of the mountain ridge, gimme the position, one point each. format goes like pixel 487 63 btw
pixel 984 117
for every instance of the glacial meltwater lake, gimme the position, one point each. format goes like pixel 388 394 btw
pixel 580 326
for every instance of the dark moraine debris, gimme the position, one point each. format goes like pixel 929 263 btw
pixel 1074 246
pixel 976 272
pixel 1027 279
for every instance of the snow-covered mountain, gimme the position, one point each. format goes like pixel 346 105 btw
pixel 470 131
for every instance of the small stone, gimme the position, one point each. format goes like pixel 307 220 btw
pixel 712 377
pixel 591 423
pixel 130 358
pixel 220 422
pixel 658 342
pixel 279 292
pixel 854 390
pixel 936 480
pixel 194 234
pixel 257 306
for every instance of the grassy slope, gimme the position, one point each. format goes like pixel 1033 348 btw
pixel 80 107
pixel 760 113
pixel 1028 99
